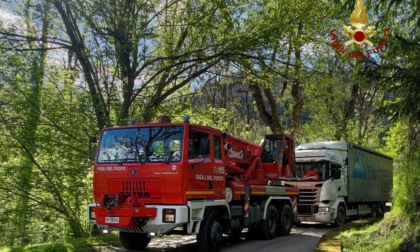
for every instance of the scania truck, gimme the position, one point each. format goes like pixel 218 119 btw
pixel 340 180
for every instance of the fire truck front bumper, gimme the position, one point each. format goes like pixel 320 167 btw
pixel 152 219
pixel 122 216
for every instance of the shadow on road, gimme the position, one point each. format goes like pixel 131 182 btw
pixel 304 233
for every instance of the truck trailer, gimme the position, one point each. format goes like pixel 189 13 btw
pixel 163 178
pixel 339 180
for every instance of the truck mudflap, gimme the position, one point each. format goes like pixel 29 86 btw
pixel 122 216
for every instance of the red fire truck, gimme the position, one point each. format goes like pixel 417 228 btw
pixel 160 178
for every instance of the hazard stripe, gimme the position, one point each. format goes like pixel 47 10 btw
pixel 246 209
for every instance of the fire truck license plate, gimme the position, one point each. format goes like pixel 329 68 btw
pixel 112 219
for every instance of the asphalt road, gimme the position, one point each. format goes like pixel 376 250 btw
pixel 303 239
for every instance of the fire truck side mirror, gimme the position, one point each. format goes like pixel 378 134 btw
pixel 228 146
pixel 93 139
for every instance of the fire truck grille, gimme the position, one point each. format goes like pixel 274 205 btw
pixel 149 188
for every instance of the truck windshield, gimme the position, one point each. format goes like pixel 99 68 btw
pixel 141 145
pixel 311 171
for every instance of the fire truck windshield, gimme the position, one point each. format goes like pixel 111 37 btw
pixel 141 145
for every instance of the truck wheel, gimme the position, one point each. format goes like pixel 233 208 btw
pixel 341 216
pixel 286 220
pixel 374 211
pixel 268 227
pixel 210 237
pixel 380 210
pixel 134 241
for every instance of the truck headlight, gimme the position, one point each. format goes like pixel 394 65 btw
pixel 324 209
pixel 168 215
pixel 91 212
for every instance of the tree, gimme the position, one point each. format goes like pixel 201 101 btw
pixel 156 47
pixel 46 123
pixel 398 74
pixel 283 62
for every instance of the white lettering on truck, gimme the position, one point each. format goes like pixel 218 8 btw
pixel 237 155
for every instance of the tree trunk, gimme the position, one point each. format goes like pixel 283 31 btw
pixel 78 46
pixel 297 89
pixel 348 111
pixel 269 116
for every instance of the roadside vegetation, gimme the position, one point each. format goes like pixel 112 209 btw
pixel 94 243
pixel 394 233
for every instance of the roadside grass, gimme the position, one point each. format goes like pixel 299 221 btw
pixel 77 245
pixel 394 233
pixel 331 241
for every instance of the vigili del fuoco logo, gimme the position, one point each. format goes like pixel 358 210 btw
pixel 359 33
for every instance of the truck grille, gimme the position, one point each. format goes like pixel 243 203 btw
pixel 308 196
pixel 307 204
pixel 150 188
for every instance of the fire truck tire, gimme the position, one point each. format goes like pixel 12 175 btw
pixel 286 220
pixel 134 241
pixel 210 236
pixel 268 227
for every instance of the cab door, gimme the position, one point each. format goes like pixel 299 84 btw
pixel 277 156
pixel 199 164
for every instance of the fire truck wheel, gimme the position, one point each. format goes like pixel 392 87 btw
pixel 210 237
pixel 134 241
pixel 268 227
pixel 286 220
pixel 341 216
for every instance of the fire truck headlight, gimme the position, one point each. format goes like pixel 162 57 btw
pixel 168 215
pixel 92 214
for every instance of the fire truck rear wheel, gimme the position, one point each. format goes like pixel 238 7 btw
pixel 268 227
pixel 286 220
pixel 210 237
pixel 134 241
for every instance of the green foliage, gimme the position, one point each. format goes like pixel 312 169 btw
pixel 47 247
pixel 394 233
pixel 72 245
pixel 56 151
pixel 406 168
